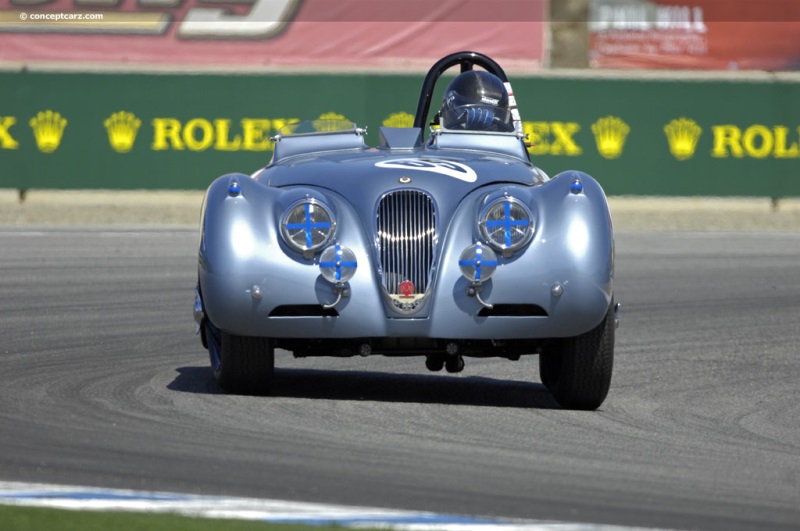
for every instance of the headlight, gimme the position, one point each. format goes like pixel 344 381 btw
pixel 307 226
pixel 506 224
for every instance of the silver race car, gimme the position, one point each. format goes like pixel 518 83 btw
pixel 444 246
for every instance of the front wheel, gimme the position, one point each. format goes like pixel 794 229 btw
pixel 244 365
pixel 577 371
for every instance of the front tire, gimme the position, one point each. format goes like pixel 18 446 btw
pixel 577 371
pixel 246 365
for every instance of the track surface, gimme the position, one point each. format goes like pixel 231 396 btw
pixel 104 384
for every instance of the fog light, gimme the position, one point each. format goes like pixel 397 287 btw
pixel 477 263
pixel 337 264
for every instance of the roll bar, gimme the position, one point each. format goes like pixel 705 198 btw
pixel 467 60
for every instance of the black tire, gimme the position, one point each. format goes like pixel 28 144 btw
pixel 434 362
pixel 577 371
pixel 549 367
pixel 247 365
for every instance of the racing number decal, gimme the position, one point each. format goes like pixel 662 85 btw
pixel 455 170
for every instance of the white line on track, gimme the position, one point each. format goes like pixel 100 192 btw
pixel 274 511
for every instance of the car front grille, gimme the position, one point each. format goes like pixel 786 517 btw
pixel 407 238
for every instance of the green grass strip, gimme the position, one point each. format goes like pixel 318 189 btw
pixel 18 518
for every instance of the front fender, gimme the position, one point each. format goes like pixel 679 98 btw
pixel 573 247
pixel 241 247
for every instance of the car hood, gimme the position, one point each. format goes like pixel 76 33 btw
pixel 362 178
pixel 370 173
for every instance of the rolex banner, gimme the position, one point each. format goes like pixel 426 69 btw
pixel 249 33
pixel 700 136
pixel 695 34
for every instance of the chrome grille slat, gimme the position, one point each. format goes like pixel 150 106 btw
pixel 406 225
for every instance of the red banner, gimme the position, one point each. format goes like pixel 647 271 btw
pixel 358 33
pixel 695 34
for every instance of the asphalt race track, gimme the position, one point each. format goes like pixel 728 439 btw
pixel 103 383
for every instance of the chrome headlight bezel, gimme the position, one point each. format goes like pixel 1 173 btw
pixel 308 226
pixel 506 224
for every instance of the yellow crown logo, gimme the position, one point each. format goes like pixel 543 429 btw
pixel 610 133
pixel 122 127
pixel 331 121
pixel 48 126
pixel 682 134
pixel 399 119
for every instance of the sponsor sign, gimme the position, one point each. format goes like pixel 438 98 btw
pixel 182 131
pixel 322 33
pixel 695 34
pixel 609 135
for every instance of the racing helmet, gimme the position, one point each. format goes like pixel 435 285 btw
pixel 478 101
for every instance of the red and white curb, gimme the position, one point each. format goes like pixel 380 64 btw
pixel 274 511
